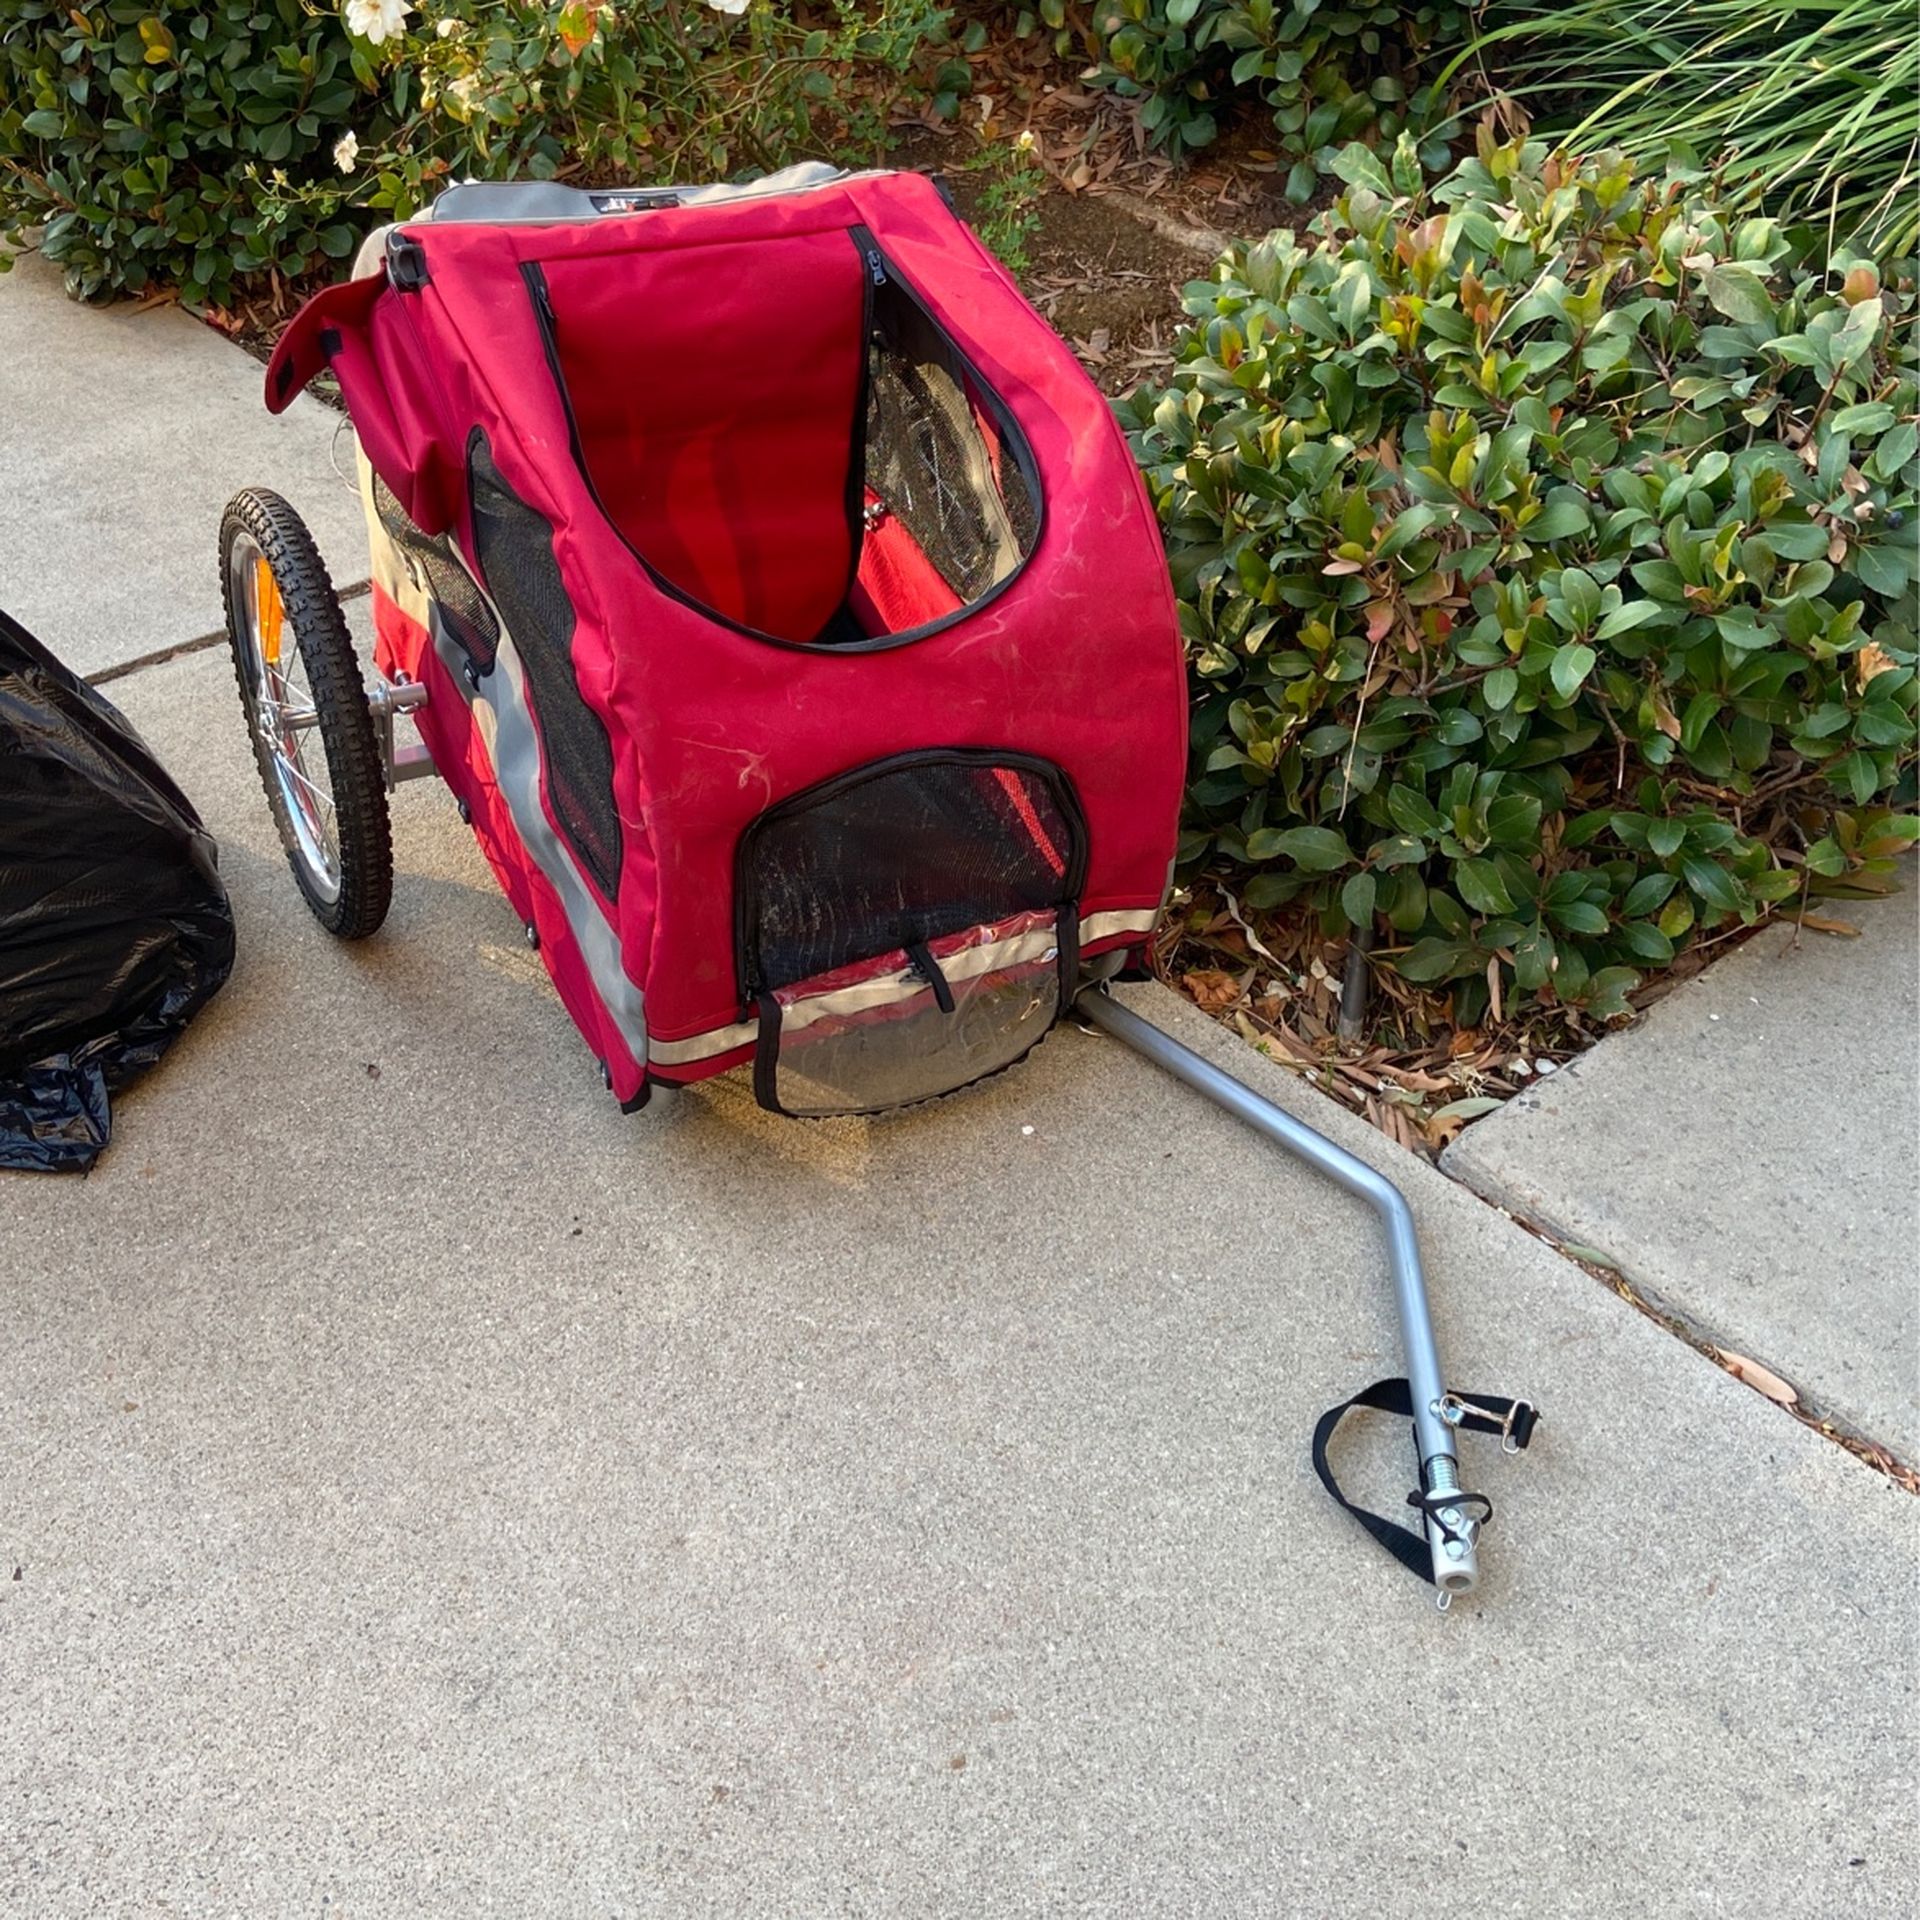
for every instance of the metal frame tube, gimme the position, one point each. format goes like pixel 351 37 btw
pixel 398 762
pixel 1455 1566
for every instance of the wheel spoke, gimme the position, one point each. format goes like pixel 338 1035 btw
pixel 299 773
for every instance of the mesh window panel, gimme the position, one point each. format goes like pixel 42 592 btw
pixel 928 460
pixel 462 606
pixel 829 1053
pixel 1023 510
pixel 514 546
pixel 908 850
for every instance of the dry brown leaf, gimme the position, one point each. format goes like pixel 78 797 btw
pixel 1292 1044
pixel 1821 924
pixel 1244 927
pixel 1418 1082
pixel 1212 990
pixel 1870 662
pixel 1760 1379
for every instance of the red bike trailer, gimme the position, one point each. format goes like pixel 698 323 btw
pixel 783 606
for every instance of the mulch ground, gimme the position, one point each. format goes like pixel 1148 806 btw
pixel 1407 1065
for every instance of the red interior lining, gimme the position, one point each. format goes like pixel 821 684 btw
pixel 898 587
pixel 714 392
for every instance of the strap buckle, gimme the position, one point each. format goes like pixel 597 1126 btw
pixel 1517 1418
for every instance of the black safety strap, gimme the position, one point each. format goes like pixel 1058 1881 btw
pixel 928 968
pixel 1513 1420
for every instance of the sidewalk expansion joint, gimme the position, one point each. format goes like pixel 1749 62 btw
pixel 1603 1267
pixel 161 655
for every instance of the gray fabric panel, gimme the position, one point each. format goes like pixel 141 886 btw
pixel 500 710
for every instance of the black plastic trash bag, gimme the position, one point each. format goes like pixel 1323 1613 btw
pixel 114 927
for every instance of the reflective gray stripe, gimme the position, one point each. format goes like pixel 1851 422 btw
pixel 703 1046
pixel 500 716
pixel 896 986
pixel 1103 926
pixel 907 983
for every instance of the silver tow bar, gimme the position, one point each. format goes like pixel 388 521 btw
pixel 1452 1517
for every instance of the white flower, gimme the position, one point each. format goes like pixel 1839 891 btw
pixel 345 151
pixel 1026 142
pixel 377 20
pixel 728 6
pixel 447 27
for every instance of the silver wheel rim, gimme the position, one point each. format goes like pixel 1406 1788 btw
pixel 285 720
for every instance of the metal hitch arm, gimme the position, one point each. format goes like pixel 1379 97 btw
pixel 1451 1533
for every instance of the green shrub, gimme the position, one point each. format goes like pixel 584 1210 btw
pixel 1546 552
pixel 136 132
pixel 1329 73
pixel 198 142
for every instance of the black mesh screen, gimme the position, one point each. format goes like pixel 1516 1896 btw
pixel 462 606
pixel 514 547
pixel 952 481
pixel 1023 508
pixel 905 850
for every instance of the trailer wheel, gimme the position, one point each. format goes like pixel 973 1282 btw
pixel 306 710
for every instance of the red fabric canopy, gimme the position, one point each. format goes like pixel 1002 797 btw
pixel 698 496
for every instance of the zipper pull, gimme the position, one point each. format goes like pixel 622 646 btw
pixel 876 266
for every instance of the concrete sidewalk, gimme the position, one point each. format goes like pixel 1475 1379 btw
pixel 1749 1158
pixel 432 1493
pixel 126 433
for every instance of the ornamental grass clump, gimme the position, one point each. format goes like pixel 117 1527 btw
pixel 1806 103
pixel 1546 553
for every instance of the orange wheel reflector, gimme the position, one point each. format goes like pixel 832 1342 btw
pixel 268 610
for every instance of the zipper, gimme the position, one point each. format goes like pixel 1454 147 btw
pixel 856 488
pixel 882 274
pixel 535 278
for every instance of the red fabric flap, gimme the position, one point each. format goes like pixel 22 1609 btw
pixel 301 352
pixel 352 329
